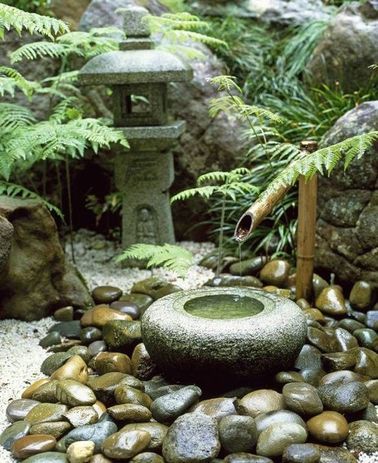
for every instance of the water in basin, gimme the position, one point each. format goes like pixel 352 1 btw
pixel 223 306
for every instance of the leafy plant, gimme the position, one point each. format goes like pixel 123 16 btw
pixel 65 133
pixel 225 185
pixel 32 6
pixel 170 256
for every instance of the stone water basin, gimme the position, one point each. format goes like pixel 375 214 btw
pixel 218 335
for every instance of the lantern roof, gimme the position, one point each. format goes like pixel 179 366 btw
pixel 134 67
pixel 136 62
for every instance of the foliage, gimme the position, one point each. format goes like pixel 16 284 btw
pixel 65 133
pixel 32 6
pixel 181 32
pixel 172 257
pixel 112 203
pixel 14 19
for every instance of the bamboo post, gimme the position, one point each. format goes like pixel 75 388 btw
pixel 306 229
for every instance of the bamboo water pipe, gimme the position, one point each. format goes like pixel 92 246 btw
pixel 306 222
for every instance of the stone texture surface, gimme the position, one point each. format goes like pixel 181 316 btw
pixel 208 144
pixel 284 12
pixel 38 279
pixel 347 239
pixel 347 49
pixel 183 345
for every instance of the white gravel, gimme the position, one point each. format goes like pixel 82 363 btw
pixel 20 354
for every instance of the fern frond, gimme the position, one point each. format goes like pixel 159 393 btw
pixel 172 257
pixel 10 79
pixel 204 192
pixel 13 116
pixel 324 159
pixel 41 49
pixel 13 18
pixel 213 177
pixel 225 83
pixel 13 190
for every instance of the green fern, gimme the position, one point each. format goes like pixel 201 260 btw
pixel 18 20
pixel 172 257
pixel 323 160
pixel 12 190
pixel 11 79
pixel 84 44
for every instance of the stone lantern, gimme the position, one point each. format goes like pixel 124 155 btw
pixel 139 76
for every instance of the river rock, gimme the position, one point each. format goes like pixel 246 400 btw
pixel 104 386
pixel 51 339
pixel 125 394
pixel 106 294
pixel 192 437
pixel 260 401
pixel 344 398
pixel 142 365
pixel 19 408
pixel 366 337
pixel 167 408
pixel 225 280
pixel 29 391
pixel 36 277
pixel 335 455
pixel 122 335
pixel 216 408
pixel 141 300
pixel 350 325
pixel 237 433
pixel 275 272
pixel 372 319
pixel 328 427
pixel 96 433
pixel 341 377
pixel 285 377
pixel 130 413
pixel 372 386
pixel 157 431
pixel 54 361
pixel 75 368
pixel 147 457
pixel 13 432
pixel 277 417
pixel 249 266
pixel 55 429
pixel 367 363
pixel 273 440
pixel 73 393
pixel 339 360
pixel 81 415
pixel 90 334
pixel 128 308
pixel 69 329
pixel 65 314
pixel 301 453
pixel 80 452
pixel 344 340
pixel 106 362
pixel 99 315
pixel 331 301
pixel 154 287
pixel 309 357
pixel 50 457
pixel 361 295
pixel 363 437
pixel 96 347
pixel 351 36
pixel 126 444
pixel 46 412
pixel 302 398
pixel 46 392
pixel 30 445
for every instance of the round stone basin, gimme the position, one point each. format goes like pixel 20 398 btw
pixel 223 335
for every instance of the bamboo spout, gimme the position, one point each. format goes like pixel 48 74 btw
pixel 265 203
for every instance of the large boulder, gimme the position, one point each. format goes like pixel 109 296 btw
pixel 347 49
pixel 208 144
pixel 347 227
pixel 283 12
pixel 69 10
pixel 36 279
